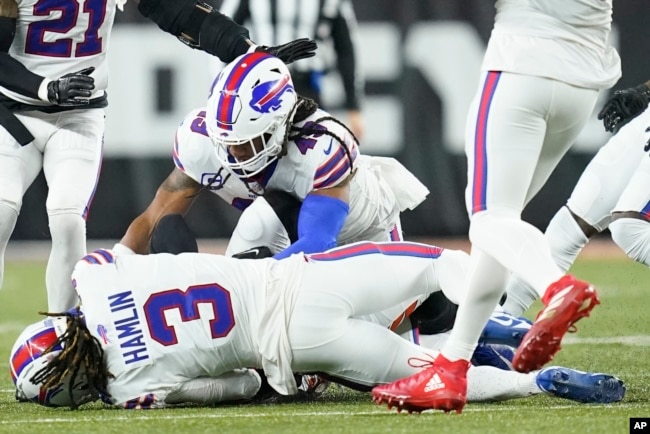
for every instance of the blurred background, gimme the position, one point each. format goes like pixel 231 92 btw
pixel 420 61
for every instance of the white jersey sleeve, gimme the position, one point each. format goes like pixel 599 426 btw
pixel 194 154
pixel 54 39
pixel 317 159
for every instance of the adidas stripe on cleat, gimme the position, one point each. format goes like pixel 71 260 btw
pixel 442 386
pixel 567 301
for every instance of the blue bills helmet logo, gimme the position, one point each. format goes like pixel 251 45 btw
pixel 267 97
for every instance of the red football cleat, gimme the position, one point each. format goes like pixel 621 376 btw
pixel 443 386
pixel 566 300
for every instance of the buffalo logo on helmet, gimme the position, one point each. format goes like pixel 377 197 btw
pixel 267 96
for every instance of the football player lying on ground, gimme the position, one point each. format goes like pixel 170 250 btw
pixel 294 171
pixel 158 330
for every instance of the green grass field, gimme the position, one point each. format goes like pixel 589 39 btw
pixel 616 339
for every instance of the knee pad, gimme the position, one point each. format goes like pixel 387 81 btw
pixel 565 238
pixel 13 205
pixel 173 235
pixel 65 224
pixel 633 236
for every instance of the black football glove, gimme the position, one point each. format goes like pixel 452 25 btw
pixel 624 106
pixel 254 253
pixel 72 89
pixel 291 51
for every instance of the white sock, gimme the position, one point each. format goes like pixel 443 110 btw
pixel 484 287
pixel 68 246
pixel 487 383
pixel 566 240
pixel 633 236
pixel 8 218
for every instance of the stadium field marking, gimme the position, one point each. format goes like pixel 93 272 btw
pixel 640 340
pixel 325 413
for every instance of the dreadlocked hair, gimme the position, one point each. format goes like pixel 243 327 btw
pixel 305 108
pixel 80 349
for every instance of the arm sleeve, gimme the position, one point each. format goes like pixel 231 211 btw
pixel 319 222
pixel 344 28
pixel 240 384
pixel 200 25
pixel 13 74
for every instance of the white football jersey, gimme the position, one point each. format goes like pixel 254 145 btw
pixel 314 162
pixel 166 319
pixel 54 39
pixel 572 32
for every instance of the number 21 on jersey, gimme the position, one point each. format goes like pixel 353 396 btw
pixel 43 35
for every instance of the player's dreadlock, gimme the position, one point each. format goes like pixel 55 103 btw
pixel 80 349
pixel 305 107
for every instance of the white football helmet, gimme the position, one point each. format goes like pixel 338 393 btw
pixel 27 358
pixel 252 98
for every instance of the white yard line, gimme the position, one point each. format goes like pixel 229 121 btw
pixel 154 415
pixel 641 340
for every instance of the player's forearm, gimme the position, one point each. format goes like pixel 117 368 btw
pixel 200 25
pixel 320 220
pixel 240 384
pixel 15 77
pixel 13 74
pixel 347 62
pixel 138 235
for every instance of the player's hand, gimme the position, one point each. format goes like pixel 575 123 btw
pixel 254 253
pixel 624 106
pixel 291 51
pixel 72 89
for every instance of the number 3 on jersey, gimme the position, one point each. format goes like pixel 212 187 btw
pixel 70 14
pixel 187 303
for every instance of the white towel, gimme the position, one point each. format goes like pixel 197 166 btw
pixel 408 190
pixel 281 293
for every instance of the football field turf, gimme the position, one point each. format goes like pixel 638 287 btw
pixel 615 339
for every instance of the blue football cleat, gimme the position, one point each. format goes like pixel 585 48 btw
pixel 499 356
pixel 585 387
pixel 505 329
